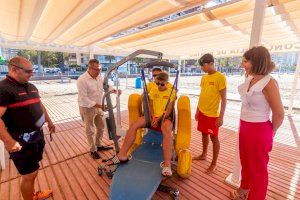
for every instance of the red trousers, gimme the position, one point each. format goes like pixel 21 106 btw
pixel 255 143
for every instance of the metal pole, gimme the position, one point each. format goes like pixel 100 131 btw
pixel 40 69
pixel 234 178
pixel 2 156
pixel 294 86
pixel 179 69
pixel 127 77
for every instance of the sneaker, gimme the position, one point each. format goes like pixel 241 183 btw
pixel 40 195
pixel 95 155
pixel 104 148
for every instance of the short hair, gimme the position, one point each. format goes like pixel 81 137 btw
pixel 15 61
pixel 260 59
pixel 162 76
pixel 93 61
pixel 206 58
pixel 156 70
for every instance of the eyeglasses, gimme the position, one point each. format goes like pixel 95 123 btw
pixel 27 71
pixel 154 75
pixel 96 69
pixel 160 84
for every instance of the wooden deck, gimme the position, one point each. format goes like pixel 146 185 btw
pixel 68 169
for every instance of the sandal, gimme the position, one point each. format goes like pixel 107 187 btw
pixel 166 171
pixel 239 194
pixel 111 167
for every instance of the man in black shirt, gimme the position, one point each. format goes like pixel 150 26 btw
pixel 22 115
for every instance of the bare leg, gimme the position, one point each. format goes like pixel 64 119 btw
pixel 130 137
pixel 167 141
pixel 216 149
pixel 27 185
pixel 205 141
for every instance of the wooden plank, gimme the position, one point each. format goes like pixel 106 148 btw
pixel 62 182
pixel 91 176
pixel 79 194
pixel 53 184
pixel 78 174
pixel 4 190
pixel 15 193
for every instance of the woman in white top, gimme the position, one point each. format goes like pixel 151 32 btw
pixel 260 97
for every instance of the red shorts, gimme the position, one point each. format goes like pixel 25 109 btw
pixel 207 125
pixel 158 128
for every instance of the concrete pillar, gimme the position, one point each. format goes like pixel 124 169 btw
pixel 78 58
pixel 258 22
pixel 91 52
pixel 255 40
pixel 294 86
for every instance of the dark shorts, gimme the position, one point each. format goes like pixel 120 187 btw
pixel 27 160
pixel 207 125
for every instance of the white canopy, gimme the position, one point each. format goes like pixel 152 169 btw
pixel 88 26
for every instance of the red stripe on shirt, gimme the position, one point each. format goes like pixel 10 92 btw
pixel 24 103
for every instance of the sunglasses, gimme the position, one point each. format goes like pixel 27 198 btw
pixel 27 71
pixel 154 75
pixel 96 69
pixel 160 84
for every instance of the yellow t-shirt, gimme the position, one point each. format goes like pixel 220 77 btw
pixel 152 84
pixel 160 100
pixel 209 100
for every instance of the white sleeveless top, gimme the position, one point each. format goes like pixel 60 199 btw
pixel 255 107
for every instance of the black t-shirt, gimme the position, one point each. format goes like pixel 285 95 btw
pixel 24 113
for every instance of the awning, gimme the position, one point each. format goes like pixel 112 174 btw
pixel 91 26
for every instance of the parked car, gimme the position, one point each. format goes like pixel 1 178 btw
pixel 47 70
pixel 55 70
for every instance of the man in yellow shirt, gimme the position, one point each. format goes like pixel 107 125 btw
pixel 150 85
pixel 208 114
pixel 160 121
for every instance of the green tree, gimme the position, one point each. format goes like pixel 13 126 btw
pixel 2 60
pixel 29 54
pixel 48 59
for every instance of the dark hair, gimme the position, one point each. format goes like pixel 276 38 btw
pixel 156 70
pixel 162 76
pixel 93 61
pixel 206 58
pixel 260 59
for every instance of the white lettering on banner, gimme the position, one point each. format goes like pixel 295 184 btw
pixel 236 52
pixel 288 46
